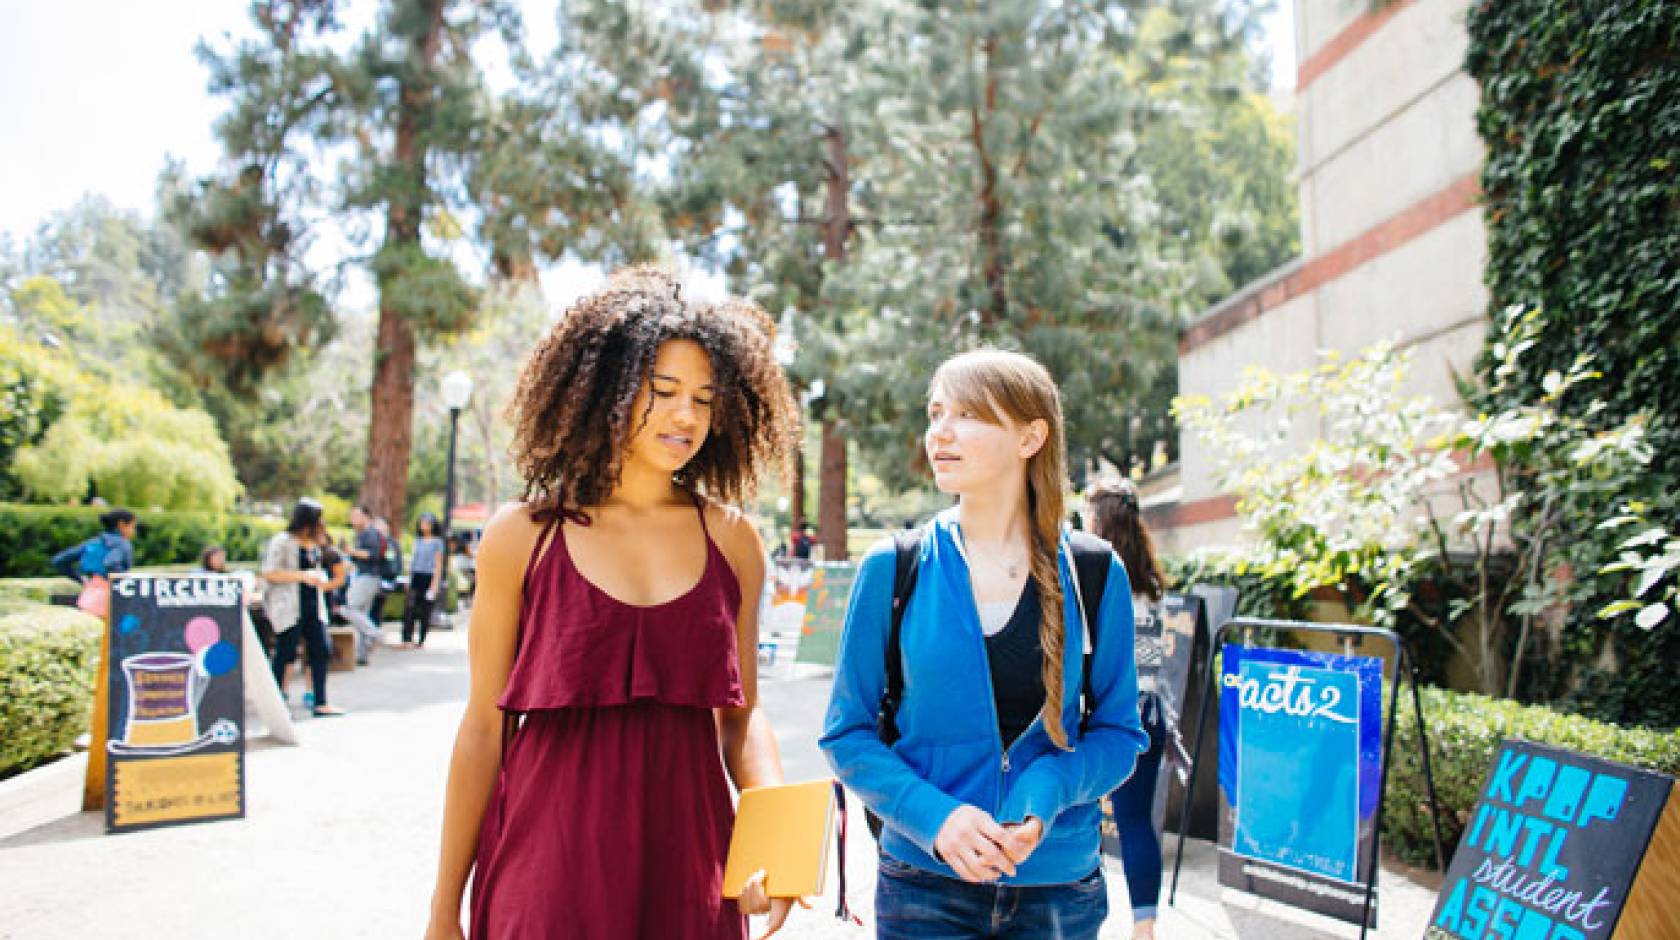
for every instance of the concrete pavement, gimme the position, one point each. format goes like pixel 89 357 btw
pixel 341 835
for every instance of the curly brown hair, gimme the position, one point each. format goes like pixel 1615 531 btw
pixel 571 411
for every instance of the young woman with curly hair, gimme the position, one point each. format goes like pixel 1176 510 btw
pixel 614 636
pixel 1016 716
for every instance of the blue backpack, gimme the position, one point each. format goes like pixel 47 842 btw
pixel 82 559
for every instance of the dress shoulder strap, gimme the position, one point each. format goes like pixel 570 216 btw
pixel 700 507
pixel 536 549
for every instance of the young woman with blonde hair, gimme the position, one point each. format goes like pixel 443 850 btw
pixel 1016 716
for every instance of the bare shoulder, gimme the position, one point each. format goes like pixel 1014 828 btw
pixel 737 537
pixel 509 536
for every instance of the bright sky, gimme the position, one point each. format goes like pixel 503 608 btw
pixel 99 94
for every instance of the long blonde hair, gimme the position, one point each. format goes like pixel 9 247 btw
pixel 987 381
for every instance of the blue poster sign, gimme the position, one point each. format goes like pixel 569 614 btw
pixel 1300 774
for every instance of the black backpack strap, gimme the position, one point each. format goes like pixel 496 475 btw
pixel 1091 559
pixel 907 550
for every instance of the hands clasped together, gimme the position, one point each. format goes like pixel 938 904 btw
pixel 980 848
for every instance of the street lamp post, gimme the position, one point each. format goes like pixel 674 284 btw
pixel 457 391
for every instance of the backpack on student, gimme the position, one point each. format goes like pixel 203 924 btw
pixel 1091 557
pixel 82 559
pixel 390 559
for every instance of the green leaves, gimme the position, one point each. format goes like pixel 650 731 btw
pixel 1581 118
pixel 48 660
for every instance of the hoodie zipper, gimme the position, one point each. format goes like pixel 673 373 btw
pixel 991 692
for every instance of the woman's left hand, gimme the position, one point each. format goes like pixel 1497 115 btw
pixel 756 900
pixel 1022 839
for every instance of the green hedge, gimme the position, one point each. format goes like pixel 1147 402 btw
pixel 1464 732
pixel 31 535
pixel 1257 595
pixel 48 658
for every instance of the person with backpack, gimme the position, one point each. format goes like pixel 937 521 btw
pixel 105 554
pixel 367 555
pixel 1115 517
pixel 390 568
pixel 985 695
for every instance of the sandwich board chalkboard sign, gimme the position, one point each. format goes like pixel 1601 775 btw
pixel 1555 848
pixel 1300 776
pixel 176 712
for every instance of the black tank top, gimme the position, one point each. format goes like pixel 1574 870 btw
pixel 1016 658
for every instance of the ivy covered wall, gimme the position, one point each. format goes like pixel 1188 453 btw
pixel 1580 115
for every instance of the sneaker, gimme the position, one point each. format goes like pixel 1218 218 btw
pixel 309 700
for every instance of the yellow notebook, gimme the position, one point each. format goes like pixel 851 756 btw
pixel 784 830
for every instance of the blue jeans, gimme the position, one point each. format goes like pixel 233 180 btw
pixel 1134 802
pixel 912 904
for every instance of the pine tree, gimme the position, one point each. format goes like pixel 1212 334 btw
pixel 429 162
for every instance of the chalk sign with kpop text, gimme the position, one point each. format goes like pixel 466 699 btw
pixel 176 748
pixel 1552 848
pixel 1300 775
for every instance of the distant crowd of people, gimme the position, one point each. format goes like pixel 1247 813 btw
pixel 307 582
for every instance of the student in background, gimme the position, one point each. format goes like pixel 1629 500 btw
pixel 990 791
pixel 367 552
pixel 292 569
pixel 423 580
pixel 1116 519
pixel 110 552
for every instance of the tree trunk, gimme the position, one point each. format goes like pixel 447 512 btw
pixel 991 202
pixel 391 428
pixel 837 226
pixel 831 522
pixel 796 499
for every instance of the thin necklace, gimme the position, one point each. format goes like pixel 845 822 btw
pixel 1013 568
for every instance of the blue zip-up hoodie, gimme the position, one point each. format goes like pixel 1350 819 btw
pixel 949 751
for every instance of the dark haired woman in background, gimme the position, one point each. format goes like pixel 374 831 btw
pixel 423 580
pixel 614 636
pixel 292 569
pixel 1114 513
pixel 105 554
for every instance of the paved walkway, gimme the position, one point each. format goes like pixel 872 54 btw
pixel 341 836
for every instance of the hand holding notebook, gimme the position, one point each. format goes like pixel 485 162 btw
pixel 783 831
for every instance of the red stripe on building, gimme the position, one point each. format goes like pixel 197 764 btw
pixel 1344 42
pixel 1293 281
pixel 1220 508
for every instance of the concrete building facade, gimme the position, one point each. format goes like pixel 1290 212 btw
pixel 1393 246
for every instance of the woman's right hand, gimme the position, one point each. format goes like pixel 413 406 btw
pixel 971 842
pixel 445 928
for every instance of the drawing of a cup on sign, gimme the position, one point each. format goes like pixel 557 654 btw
pixel 165 690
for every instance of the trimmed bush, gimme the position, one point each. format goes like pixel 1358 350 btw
pixel 48 658
pixel 1464 732
pixel 31 535
pixel 1259 594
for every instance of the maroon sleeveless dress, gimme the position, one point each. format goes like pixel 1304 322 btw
pixel 611 816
